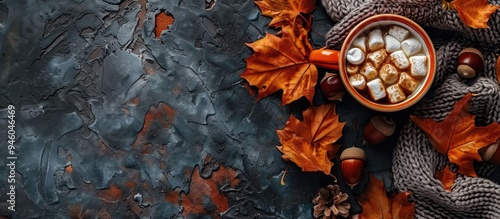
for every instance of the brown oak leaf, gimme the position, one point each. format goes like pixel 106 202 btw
pixel 284 12
pixel 459 139
pixel 308 143
pixel 474 13
pixel 281 63
pixel 376 204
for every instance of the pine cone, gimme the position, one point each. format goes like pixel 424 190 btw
pixel 330 203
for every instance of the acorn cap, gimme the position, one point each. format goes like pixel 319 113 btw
pixel 384 124
pixel 472 50
pixel 353 153
pixel 488 152
pixel 466 71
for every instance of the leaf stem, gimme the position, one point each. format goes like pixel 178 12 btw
pixel 334 178
pixel 283 176
pixel 310 25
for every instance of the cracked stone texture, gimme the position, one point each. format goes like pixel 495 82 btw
pixel 115 123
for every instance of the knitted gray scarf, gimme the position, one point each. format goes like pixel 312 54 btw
pixel 415 160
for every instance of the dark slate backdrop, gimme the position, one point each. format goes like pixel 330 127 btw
pixel 114 123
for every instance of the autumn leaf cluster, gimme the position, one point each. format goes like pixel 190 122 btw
pixel 280 62
pixel 458 137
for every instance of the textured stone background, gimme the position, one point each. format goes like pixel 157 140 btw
pixel 114 122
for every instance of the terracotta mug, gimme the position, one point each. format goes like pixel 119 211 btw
pixel 420 66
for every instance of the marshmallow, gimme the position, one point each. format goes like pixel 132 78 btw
pixel 378 57
pixel 407 83
pixel 355 56
pixel 418 65
pixel 392 44
pixel 368 71
pixel 375 40
pixel 358 81
pixel 395 94
pixel 376 89
pixel 411 46
pixel 399 59
pixel 352 69
pixel 389 74
pixel 360 43
pixel 398 32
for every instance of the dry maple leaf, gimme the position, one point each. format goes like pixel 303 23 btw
pixel 284 12
pixel 447 177
pixel 281 63
pixel 474 13
pixel 310 158
pixel 308 143
pixel 459 138
pixel 376 204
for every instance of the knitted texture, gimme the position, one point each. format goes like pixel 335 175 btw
pixel 415 160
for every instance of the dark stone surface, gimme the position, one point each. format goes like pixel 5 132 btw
pixel 137 119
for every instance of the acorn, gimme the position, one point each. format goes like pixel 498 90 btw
pixel 470 62
pixel 491 153
pixel 331 86
pixel 378 129
pixel 352 165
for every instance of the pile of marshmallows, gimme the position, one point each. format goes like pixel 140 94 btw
pixel 388 65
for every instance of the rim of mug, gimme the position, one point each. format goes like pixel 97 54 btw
pixel 416 30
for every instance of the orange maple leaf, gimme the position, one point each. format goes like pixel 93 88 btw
pixel 474 13
pixel 447 177
pixel 281 63
pixel 309 142
pixel 459 138
pixel 376 204
pixel 284 12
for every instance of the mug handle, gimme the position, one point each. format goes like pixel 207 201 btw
pixel 325 58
